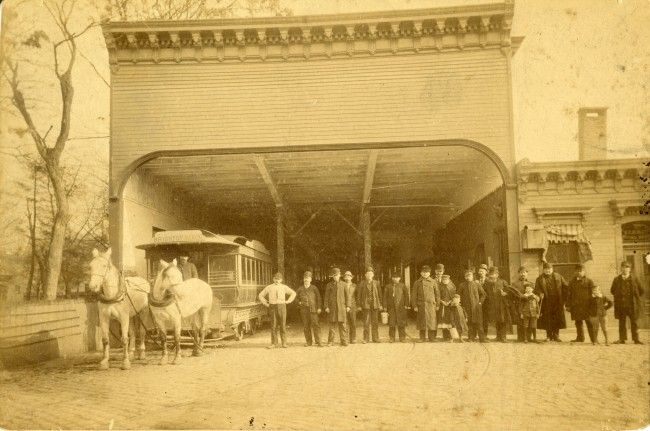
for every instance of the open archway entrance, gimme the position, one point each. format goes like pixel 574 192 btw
pixel 391 207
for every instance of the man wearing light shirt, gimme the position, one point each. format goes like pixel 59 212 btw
pixel 277 303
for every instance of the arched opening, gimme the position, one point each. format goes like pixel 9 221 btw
pixel 394 206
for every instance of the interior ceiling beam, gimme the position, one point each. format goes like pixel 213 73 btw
pixel 268 180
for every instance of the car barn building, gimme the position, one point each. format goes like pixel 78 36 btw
pixel 333 139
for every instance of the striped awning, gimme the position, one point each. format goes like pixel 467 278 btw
pixel 565 233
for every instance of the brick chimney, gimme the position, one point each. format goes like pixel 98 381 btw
pixel 592 133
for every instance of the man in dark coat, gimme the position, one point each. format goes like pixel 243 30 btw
pixel 351 291
pixel 472 296
pixel 481 277
pixel 188 269
pixel 552 291
pixel 369 300
pixel 337 306
pixel 627 292
pixel 517 299
pixel 424 300
pixel 309 304
pixel 396 301
pixel 579 297
pixel 498 312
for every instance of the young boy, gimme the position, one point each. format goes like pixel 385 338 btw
pixel 529 314
pixel 598 307
pixel 458 319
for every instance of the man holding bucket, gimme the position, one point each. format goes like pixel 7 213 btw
pixel 396 302
pixel 369 300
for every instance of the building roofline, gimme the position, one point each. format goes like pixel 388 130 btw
pixel 497 8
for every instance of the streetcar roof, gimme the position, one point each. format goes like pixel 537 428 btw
pixel 199 237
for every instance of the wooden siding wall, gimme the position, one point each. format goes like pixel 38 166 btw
pixel 428 96
pixel 456 243
pixel 599 224
pixel 31 333
pixel 148 204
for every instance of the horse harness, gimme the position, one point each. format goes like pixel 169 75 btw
pixel 167 300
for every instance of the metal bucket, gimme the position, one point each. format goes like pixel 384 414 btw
pixel 384 318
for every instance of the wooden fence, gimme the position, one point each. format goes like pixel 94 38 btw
pixel 36 332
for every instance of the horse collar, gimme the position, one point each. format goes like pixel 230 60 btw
pixel 120 297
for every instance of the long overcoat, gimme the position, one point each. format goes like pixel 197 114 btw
pixel 336 300
pixel 552 290
pixel 498 304
pixel 425 297
pixel 396 299
pixel 622 300
pixel 472 296
pixel 579 296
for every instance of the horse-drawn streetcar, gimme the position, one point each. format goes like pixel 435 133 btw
pixel 236 269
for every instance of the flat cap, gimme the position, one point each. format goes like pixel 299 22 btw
pixel 335 271
pixel 522 269
pixel 307 274
pixel 426 268
pixel 626 264
pixel 277 276
pixel 547 265
pixel 440 267
pixel 493 270
pixel 348 273
pixel 483 266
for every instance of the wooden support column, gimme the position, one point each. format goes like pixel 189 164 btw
pixel 367 239
pixel 279 209
pixel 279 220
pixel 365 207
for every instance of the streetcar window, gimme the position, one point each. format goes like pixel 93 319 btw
pixel 222 270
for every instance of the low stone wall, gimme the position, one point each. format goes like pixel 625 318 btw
pixel 36 332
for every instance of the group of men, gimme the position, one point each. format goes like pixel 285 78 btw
pixel 483 299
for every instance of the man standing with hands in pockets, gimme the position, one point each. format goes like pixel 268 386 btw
pixel 309 302
pixel 277 303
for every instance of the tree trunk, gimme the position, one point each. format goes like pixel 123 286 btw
pixel 55 253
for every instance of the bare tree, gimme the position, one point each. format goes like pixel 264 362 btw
pixel 130 10
pixel 51 153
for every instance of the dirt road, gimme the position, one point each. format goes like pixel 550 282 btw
pixel 376 386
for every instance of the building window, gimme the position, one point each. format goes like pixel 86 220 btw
pixel 564 257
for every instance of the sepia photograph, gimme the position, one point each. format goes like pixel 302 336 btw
pixel 325 215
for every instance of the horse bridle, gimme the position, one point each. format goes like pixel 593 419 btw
pixel 120 291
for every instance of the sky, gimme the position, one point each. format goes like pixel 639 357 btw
pixel 576 53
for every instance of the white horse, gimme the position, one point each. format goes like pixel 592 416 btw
pixel 172 300
pixel 121 298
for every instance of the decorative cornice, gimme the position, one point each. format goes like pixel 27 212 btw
pixel 310 37
pixel 615 173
